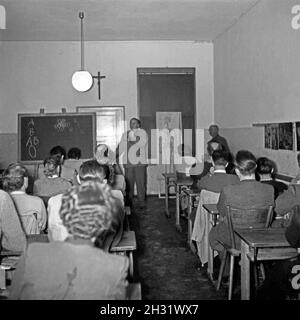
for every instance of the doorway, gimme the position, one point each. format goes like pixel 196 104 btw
pixel 166 90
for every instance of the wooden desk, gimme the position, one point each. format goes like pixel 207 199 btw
pixel 169 182
pixel 211 217
pixel 179 183
pixel 192 194
pixel 261 244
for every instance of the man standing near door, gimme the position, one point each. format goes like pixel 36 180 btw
pixel 215 137
pixel 132 152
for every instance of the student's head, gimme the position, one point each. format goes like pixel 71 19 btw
pixel 51 166
pixel 213 130
pixel 220 158
pixel 212 146
pixel 15 177
pixel 88 211
pixel 93 170
pixel 135 123
pixel 59 152
pixel 74 153
pixel 245 163
pixel 265 166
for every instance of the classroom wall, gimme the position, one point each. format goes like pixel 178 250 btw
pixel 38 75
pixel 256 78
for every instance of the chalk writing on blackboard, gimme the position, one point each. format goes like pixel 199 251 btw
pixel 61 125
pixel 33 140
pixel 38 133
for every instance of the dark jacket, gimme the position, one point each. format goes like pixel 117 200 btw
pixel 215 182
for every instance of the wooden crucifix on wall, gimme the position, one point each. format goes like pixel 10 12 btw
pixel 99 77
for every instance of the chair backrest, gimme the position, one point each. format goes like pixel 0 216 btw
pixel 247 219
pixel 209 196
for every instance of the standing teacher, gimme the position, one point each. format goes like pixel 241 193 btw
pixel 132 153
pixel 215 137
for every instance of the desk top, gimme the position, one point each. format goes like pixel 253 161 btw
pixel 184 181
pixel 169 175
pixel 263 238
pixel 211 208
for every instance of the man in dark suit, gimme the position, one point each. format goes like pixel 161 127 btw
pixel 247 194
pixel 214 132
pixel 288 200
pixel 219 178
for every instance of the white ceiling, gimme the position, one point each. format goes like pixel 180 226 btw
pixel 57 20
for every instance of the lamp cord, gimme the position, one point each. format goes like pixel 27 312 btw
pixel 81 16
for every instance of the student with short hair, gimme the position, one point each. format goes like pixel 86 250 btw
pixel 70 166
pixel 77 268
pixel 265 169
pixel 247 194
pixel 59 152
pixel 51 184
pixel 219 178
pixel 31 209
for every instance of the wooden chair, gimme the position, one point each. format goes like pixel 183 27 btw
pixel 202 225
pixel 240 219
pixel 126 245
pixel 8 263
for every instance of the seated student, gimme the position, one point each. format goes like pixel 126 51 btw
pixel 288 200
pixel 56 152
pixel 211 147
pixel 89 170
pixel 31 209
pixel 51 184
pixel 277 285
pixel 219 178
pixel 247 194
pixel 59 152
pixel 265 168
pixel 103 155
pixel 70 166
pixel 77 268
pixel 12 236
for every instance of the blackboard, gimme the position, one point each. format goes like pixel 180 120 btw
pixel 38 133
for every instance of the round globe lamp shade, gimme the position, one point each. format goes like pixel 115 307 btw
pixel 82 81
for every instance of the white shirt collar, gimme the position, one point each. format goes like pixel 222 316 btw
pixel 52 177
pixel 220 171
pixel 18 192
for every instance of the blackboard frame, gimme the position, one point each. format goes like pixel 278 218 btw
pixel 40 115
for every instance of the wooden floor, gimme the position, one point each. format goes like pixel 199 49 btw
pixel 164 264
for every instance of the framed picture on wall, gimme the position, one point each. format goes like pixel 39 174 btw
pixel 110 124
pixel 271 136
pixel 286 141
pixel 298 135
